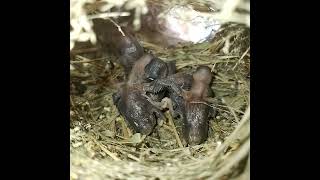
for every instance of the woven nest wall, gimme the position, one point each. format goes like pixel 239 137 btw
pixel 103 147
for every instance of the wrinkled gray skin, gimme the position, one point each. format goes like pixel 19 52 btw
pixel 158 69
pixel 131 100
pixel 195 128
pixel 139 113
pixel 197 112
pixel 126 48
pixel 188 94
pixel 172 87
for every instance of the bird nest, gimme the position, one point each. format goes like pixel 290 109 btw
pixel 103 147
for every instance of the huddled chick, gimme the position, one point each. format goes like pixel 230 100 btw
pixel 150 81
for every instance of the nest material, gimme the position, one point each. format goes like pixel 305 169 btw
pixel 102 147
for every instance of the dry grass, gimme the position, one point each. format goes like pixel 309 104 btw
pixel 102 147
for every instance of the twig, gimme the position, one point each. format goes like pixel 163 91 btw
pixel 231 110
pixel 128 155
pixel 71 101
pixel 241 58
pixel 236 110
pixel 104 149
pixel 82 58
pixel 168 127
pixel 213 66
pixel 86 61
pixel 109 14
pixel 201 102
pixel 234 134
pixel 125 129
pixel 175 132
pixel 233 160
pixel 119 27
pixel 90 112
pixel 133 157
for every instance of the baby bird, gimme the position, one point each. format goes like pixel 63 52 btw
pixel 187 99
pixel 137 111
pixel 119 42
pixel 131 99
pixel 197 111
pixel 172 87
